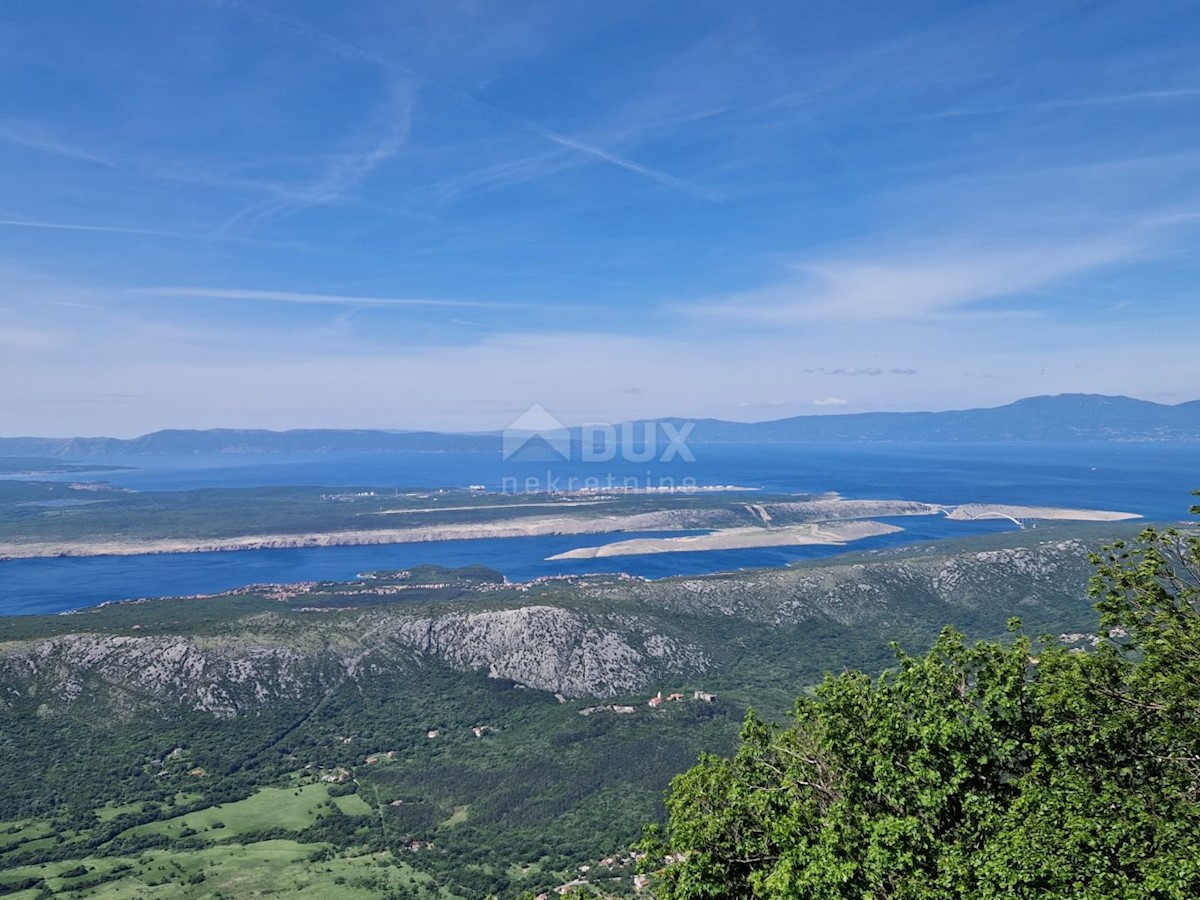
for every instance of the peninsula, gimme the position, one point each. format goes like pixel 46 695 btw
pixel 43 519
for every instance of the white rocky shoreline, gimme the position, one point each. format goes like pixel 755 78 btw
pixel 738 539
pixel 832 523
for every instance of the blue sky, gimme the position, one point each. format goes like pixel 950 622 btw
pixel 434 214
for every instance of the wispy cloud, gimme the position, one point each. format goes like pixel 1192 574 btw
pixel 345 172
pixel 1120 99
pixel 49 225
pixel 598 152
pixel 107 229
pixel 299 297
pixel 563 157
pixel 921 283
pixel 33 136
pixel 870 371
pixel 347 50
pixel 503 174
pixel 830 401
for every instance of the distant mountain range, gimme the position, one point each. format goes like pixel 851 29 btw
pixel 245 440
pixel 1065 417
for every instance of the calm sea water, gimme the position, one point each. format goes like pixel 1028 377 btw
pixel 1151 479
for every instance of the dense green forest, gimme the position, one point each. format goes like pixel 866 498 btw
pixel 1014 768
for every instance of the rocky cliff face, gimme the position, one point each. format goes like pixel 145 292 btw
pixel 587 639
pixel 552 649
pixel 541 647
pixel 882 590
pixel 129 674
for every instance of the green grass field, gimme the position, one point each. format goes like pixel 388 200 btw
pixel 353 805
pixel 267 868
pixel 13 833
pixel 222 867
pixel 292 809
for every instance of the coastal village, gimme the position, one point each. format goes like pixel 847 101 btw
pixel 653 703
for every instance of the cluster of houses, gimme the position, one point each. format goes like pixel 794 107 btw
pixel 536 584
pixel 654 703
pixel 349 497
pixel 179 753
pixel 1090 638
pixel 376 757
pixel 478 730
pixel 605 868
pixel 608 707
pixel 699 696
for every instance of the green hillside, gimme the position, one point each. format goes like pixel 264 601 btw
pixel 441 733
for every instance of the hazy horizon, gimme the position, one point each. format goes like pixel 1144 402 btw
pixel 496 430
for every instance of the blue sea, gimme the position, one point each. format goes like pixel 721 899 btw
pixel 1151 479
